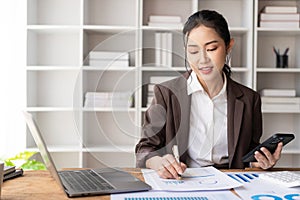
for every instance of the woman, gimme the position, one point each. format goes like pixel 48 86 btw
pixel 214 120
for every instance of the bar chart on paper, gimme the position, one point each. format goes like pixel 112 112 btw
pixel 162 195
pixel 256 188
pixel 166 198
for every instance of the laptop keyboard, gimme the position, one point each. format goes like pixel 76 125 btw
pixel 85 180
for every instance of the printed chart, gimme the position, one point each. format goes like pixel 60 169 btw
pixel 255 188
pixel 193 179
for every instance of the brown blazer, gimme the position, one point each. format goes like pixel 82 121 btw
pixel 166 122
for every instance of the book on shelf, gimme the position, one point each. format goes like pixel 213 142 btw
pixel 278 92
pixel 165 21
pixel 109 55
pixel 279 16
pixel 281 103
pixel 163 49
pixel 108 63
pixel 164 18
pixel 108 99
pixel 279 9
pixel 166 25
pixel 108 59
pixel 153 81
pixel 279 24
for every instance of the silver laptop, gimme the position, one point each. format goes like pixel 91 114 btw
pixel 85 182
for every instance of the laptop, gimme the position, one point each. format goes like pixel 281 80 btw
pixel 85 182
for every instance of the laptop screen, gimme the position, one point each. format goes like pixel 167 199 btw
pixel 36 134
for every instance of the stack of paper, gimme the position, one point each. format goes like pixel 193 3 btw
pixel 281 103
pixel 279 17
pixel 153 81
pixel 108 59
pixel 278 92
pixel 108 99
pixel 163 49
pixel 280 100
pixel 165 21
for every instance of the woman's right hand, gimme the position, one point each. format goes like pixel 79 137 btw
pixel 166 166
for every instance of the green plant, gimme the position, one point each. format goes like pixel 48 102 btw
pixel 24 160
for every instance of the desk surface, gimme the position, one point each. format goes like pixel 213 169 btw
pixel 41 185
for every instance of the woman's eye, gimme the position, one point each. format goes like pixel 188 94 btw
pixel 194 52
pixel 212 49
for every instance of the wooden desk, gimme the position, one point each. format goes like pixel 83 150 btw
pixel 36 185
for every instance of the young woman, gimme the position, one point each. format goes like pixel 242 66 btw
pixel 212 119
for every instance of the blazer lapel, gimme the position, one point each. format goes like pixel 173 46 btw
pixel 235 109
pixel 184 121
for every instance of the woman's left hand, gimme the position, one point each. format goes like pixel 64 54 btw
pixel 267 160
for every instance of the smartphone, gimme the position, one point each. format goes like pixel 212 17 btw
pixel 270 144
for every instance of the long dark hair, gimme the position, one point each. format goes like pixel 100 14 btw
pixel 211 19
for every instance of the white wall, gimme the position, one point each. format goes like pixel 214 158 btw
pixel 12 76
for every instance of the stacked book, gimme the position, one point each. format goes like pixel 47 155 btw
pixel 153 81
pixel 280 100
pixel 165 21
pixel 279 17
pixel 108 99
pixel 108 59
pixel 163 49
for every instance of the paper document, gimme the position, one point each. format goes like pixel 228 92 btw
pixel 193 179
pixel 158 195
pixel 257 188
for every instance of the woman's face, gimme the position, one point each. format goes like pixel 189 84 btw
pixel 206 53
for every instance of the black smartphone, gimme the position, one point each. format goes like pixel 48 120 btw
pixel 270 144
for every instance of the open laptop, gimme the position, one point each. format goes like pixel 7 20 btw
pixel 85 182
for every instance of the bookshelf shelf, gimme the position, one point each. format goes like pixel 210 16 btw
pixel 267 76
pixel 286 70
pixel 62 33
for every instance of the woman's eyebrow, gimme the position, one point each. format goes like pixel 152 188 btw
pixel 192 45
pixel 207 43
pixel 213 41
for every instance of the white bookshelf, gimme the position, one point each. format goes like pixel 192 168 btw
pixel 266 75
pixel 60 35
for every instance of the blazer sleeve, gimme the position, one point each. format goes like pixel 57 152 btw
pixel 152 142
pixel 257 122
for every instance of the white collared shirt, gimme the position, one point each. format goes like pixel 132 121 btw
pixel 207 143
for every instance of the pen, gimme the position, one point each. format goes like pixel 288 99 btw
pixel 176 155
pixel 286 50
pixel 275 51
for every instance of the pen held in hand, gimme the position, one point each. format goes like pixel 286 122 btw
pixel 176 155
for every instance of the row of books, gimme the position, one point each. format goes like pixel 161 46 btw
pixel 108 99
pixel 108 59
pixel 279 17
pixel 165 21
pixel 163 49
pixel 153 81
pixel 280 100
